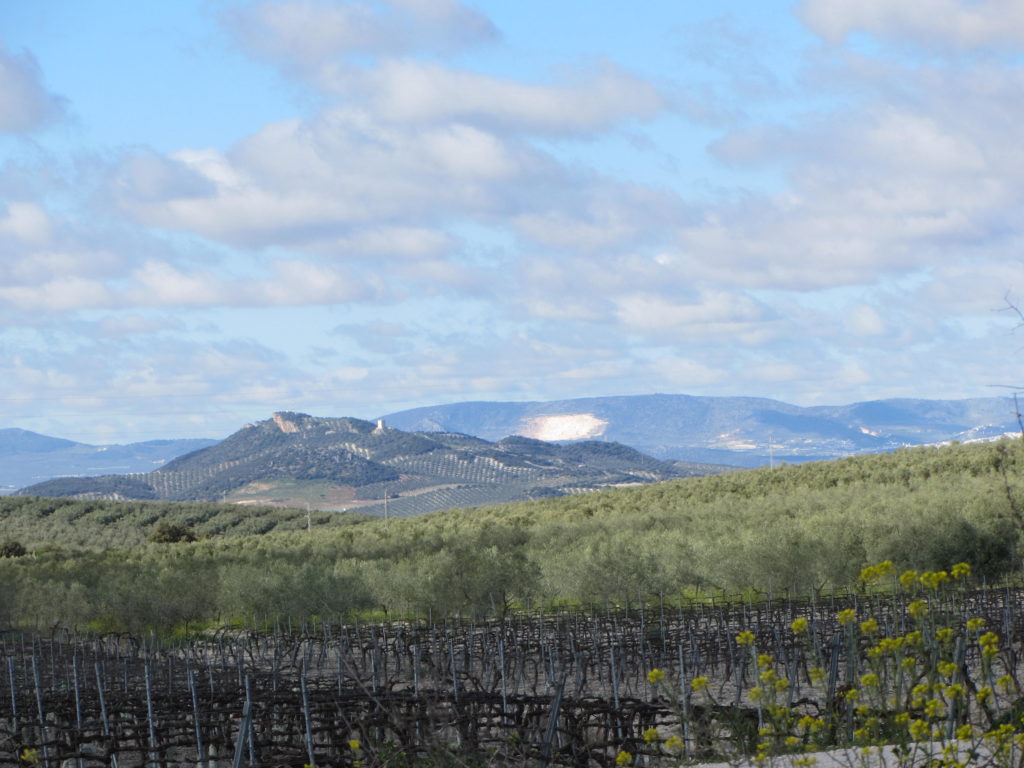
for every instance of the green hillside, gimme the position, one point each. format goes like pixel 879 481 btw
pixel 55 523
pixel 798 528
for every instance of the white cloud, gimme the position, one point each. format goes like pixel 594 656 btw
pixel 143 176
pixel 598 214
pixel 155 283
pixel 973 286
pixel 292 283
pixel 25 104
pixel 350 185
pixel 60 294
pixel 896 184
pixel 852 373
pixel 306 34
pixel 298 283
pixel 350 373
pixel 414 91
pixel 944 24
pixel 388 242
pixel 161 284
pixel 864 320
pixel 714 312
pixel 298 183
pixel 134 324
pixel 26 221
pixel 686 375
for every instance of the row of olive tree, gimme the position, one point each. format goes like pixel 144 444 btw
pixel 795 529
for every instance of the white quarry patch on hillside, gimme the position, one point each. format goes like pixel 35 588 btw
pixel 284 424
pixel 563 426
pixel 733 441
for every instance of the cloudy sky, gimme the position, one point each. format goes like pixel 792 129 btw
pixel 211 210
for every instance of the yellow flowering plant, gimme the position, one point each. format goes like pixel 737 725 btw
pixel 928 685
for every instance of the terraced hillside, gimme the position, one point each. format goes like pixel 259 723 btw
pixel 342 463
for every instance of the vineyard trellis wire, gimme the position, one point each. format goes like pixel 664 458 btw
pixel 563 688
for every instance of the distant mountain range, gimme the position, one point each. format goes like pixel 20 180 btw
pixel 741 431
pixel 736 431
pixel 28 457
pixel 295 459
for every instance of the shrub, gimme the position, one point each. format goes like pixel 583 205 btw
pixel 171 533
pixel 12 548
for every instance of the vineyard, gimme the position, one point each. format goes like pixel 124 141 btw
pixel 601 688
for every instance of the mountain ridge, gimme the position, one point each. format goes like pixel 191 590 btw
pixel 743 431
pixel 345 463
pixel 737 431
pixel 28 457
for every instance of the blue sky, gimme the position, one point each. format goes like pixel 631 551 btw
pixel 211 210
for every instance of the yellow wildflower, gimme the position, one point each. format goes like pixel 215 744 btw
pixel 961 570
pixel 655 676
pixel 918 609
pixel 699 683
pixel 651 735
pixel 932 579
pixel 745 638
pixel 869 626
pixel 623 758
pixel 799 625
pixel 989 643
pixel 908 579
pixel 965 732
pixel 873 573
pixel 918 729
pixel 847 616
pixel 934 707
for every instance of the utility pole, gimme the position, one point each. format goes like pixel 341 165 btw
pixel 309 518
